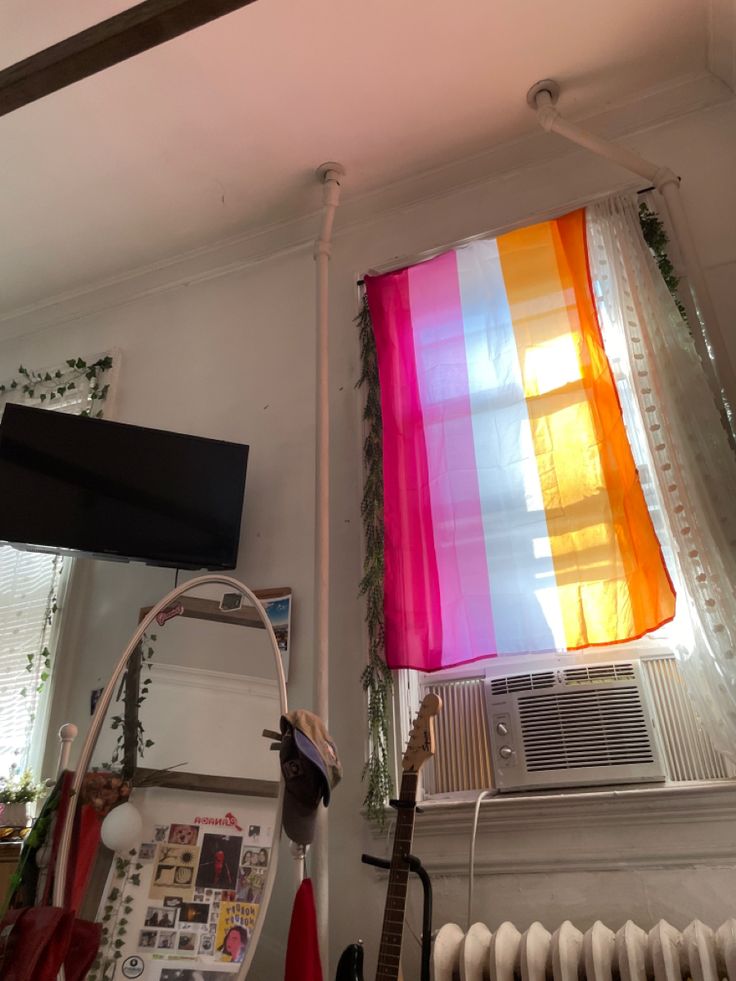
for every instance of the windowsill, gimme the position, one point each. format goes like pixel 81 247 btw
pixel 642 827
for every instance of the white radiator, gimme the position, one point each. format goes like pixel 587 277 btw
pixel 599 954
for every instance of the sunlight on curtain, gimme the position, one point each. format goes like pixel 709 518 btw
pixel 690 467
pixel 514 517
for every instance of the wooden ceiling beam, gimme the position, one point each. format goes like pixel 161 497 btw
pixel 116 39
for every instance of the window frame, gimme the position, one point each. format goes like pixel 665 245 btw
pixel 407 685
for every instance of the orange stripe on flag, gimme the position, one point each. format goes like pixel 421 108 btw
pixel 611 577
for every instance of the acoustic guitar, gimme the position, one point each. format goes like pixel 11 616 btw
pixel 419 749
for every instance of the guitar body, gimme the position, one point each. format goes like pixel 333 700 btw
pixel 419 749
pixel 350 965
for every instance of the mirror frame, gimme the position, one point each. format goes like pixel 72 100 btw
pixel 62 868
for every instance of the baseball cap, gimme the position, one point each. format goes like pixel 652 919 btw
pixel 311 769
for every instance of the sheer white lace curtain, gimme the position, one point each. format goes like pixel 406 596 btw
pixel 687 465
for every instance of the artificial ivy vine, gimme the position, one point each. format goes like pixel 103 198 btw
pixel 656 238
pixel 126 737
pixel 376 679
pixel 118 907
pixel 47 386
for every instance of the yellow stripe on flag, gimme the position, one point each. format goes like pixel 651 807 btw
pixel 611 577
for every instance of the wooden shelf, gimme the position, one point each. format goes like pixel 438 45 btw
pixel 197 608
pixel 206 783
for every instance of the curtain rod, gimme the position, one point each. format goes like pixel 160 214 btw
pixel 431 252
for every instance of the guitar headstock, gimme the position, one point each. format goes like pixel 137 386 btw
pixel 421 741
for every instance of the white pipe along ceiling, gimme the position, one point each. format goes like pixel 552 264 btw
pixel 542 97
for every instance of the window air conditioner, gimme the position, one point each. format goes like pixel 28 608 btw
pixel 568 727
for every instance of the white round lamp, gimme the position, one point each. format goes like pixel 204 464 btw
pixel 122 828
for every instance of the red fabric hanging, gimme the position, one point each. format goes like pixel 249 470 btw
pixel 302 949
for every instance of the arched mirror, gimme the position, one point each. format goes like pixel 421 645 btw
pixel 183 889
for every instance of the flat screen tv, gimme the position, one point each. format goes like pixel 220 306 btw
pixel 118 491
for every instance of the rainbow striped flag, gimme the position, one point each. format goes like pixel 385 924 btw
pixel 514 520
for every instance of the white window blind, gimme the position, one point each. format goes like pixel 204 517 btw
pixel 30 584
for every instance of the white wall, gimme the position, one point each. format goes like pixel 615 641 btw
pixel 233 357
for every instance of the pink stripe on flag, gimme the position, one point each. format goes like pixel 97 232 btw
pixel 411 592
pixel 444 391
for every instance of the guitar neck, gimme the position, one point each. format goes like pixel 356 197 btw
pixel 389 953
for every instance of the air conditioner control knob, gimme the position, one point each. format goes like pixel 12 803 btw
pixel 502 729
pixel 506 752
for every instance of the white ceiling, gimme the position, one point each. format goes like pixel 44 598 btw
pixel 219 131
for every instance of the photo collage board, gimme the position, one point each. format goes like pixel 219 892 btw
pixel 198 886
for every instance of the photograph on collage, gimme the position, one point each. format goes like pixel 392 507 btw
pixel 173 871
pixel 219 862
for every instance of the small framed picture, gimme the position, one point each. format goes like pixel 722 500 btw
pixel 194 913
pixel 147 939
pixel 187 942
pixel 183 834
pixel 278 611
pixel 166 940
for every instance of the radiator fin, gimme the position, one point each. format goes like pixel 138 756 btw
pixel 599 954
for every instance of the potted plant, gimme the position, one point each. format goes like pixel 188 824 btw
pixel 17 791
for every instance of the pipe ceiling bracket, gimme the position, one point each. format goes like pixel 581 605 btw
pixel 547 85
pixel 664 176
pixel 330 171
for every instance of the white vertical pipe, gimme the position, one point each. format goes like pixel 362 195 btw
pixel 709 338
pixel 330 174
pixel 299 855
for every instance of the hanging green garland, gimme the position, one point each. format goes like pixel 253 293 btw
pixel 376 679
pixel 118 906
pixel 48 387
pixel 127 735
pixel 656 238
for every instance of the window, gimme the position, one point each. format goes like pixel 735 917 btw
pixel 32 584
pixel 29 589
pixel 514 518
pixel 646 462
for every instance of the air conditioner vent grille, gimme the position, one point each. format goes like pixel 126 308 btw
pixel 592 673
pixel 570 729
pixel 522 682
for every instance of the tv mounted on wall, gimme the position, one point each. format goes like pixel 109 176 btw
pixel 118 491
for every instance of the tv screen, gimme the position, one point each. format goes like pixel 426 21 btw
pixel 119 491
